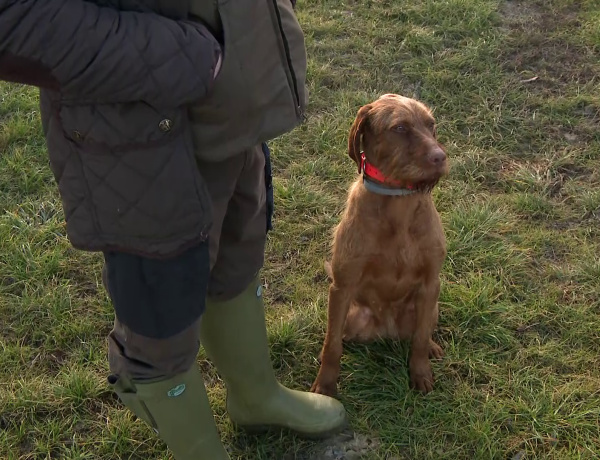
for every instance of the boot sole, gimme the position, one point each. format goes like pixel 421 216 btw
pixel 262 429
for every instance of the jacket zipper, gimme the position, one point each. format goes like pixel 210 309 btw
pixel 295 93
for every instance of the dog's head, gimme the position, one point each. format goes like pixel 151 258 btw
pixel 398 135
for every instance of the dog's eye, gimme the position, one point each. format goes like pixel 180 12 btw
pixel 400 128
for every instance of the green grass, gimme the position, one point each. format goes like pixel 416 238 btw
pixel 520 303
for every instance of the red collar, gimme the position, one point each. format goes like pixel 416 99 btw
pixel 373 172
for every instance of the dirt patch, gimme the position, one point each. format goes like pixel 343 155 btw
pixel 10 285
pixel 82 280
pixel 540 55
pixel 53 361
pixel 520 12
pixel 564 173
pixel 345 446
pixel 542 176
pixel 553 63
pixel 572 171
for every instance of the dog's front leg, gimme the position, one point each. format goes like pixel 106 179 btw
pixel 331 354
pixel 421 375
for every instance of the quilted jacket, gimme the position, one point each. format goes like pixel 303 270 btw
pixel 129 102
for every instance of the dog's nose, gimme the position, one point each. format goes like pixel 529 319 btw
pixel 437 156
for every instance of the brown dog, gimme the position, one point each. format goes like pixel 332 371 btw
pixel 389 246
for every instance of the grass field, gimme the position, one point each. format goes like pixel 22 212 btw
pixel 516 92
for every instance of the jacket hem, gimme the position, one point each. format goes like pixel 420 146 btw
pixel 136 249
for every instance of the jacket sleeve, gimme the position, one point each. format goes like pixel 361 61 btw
pixel 101 55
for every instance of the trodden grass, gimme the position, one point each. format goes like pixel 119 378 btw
pixel 515 89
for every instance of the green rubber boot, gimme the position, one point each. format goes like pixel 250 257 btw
pixel 234 337
pixel 179 411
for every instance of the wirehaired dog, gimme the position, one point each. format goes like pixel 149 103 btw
pixel 389 246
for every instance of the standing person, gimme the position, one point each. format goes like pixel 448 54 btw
pixel 155 114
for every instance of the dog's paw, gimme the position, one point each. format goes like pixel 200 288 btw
pixel 435 351
pixel 421 377
pixel 324 388
pixel 422 383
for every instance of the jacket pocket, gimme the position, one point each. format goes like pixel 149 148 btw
pixel 138 165
pixel 254 98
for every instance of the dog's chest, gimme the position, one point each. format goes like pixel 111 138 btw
pixel 412 245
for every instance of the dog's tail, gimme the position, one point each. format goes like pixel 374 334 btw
pixel 328 270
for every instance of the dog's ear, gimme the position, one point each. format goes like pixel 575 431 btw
pixel 356 131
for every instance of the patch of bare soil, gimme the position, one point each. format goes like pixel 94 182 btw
pixel 520 12
pixel 539 53
pixel 344 446
pixel 546 63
